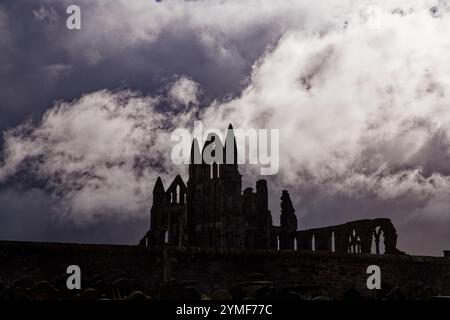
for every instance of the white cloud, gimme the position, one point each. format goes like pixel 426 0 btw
pixel 98 154
pixel 349 92
pixel 184 91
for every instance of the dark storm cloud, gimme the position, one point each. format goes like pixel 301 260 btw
pixel 28 216
pixel 42 61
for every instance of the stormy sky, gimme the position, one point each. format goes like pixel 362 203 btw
pixel 358 89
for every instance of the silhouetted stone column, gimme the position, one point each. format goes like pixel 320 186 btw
pixel 288 222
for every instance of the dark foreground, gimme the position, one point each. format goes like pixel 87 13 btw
pixel 37 271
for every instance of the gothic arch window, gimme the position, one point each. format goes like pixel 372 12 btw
pixel 373 246
pixel 354 242
pixel 378 246
pixel 177 191
pixel 178 194
pixel 382 244
pixel 313 243
pixel 166 236
pixel 333 242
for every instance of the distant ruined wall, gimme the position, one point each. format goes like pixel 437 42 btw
pixel 360 236
pixel 321 273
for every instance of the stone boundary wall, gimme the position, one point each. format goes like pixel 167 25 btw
pixel 208 269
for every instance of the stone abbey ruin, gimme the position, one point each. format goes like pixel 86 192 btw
pixel 211 211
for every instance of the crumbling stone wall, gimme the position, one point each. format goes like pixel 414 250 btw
pixel 360 236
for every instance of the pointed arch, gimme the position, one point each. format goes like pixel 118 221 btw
pixel 177 191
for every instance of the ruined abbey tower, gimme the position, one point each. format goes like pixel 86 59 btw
pixel 211 210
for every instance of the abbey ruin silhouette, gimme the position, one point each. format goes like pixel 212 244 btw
pixel 211 210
